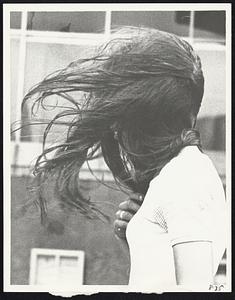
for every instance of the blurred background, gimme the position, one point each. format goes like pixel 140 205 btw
pixel 42 42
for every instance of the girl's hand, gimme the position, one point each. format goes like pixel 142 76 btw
pixel 126 211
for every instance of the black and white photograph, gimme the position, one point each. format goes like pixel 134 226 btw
pixel 117 147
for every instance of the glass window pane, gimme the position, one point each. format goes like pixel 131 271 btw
pixel 212 132
pixel 15 20
pixel 41 60
pixel 46 270
pixel 213 65
pixel 182 17
pixel 69 271
pixel 90 22
pixel 14 67
pixel 68 261
pixel 162 20
pixel 211 122
pixel 209 25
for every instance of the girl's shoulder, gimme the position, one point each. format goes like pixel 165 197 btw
pixel 188 182
pixel 190 167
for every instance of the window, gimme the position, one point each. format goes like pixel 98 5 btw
pixel 15 20
pixel 50 57
pixel 88 22
pixel 208 25
pixel 51 40
pixel 54 266
pixel 153 19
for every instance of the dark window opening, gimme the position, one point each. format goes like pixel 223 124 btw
pixel 15 20
pixel 212 21
pixel 89 22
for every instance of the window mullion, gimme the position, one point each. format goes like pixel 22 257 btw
pixel 191 26
pixel 20 88
pixel 108 23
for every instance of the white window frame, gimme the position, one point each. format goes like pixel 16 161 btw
pixel 57 253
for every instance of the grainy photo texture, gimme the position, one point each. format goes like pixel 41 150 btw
pixel 116 147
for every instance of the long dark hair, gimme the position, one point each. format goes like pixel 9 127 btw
pixel 140 93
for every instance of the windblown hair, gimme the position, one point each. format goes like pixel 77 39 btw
pixel 141 91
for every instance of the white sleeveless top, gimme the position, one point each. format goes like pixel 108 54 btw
pixel 184 203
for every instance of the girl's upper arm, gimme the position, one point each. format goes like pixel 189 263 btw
pixel 193 263
pixel 187 215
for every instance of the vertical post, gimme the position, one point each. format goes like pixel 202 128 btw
pixel 107 23
pixel 20 88
pixel 191 26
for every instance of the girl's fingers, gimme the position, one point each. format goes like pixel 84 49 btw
pixel 126 211
pixel 139 198
pixel 120 224
pixel 124 215
pixel 120 228
pixel 129 206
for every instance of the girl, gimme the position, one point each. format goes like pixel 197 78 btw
pixel 142 93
